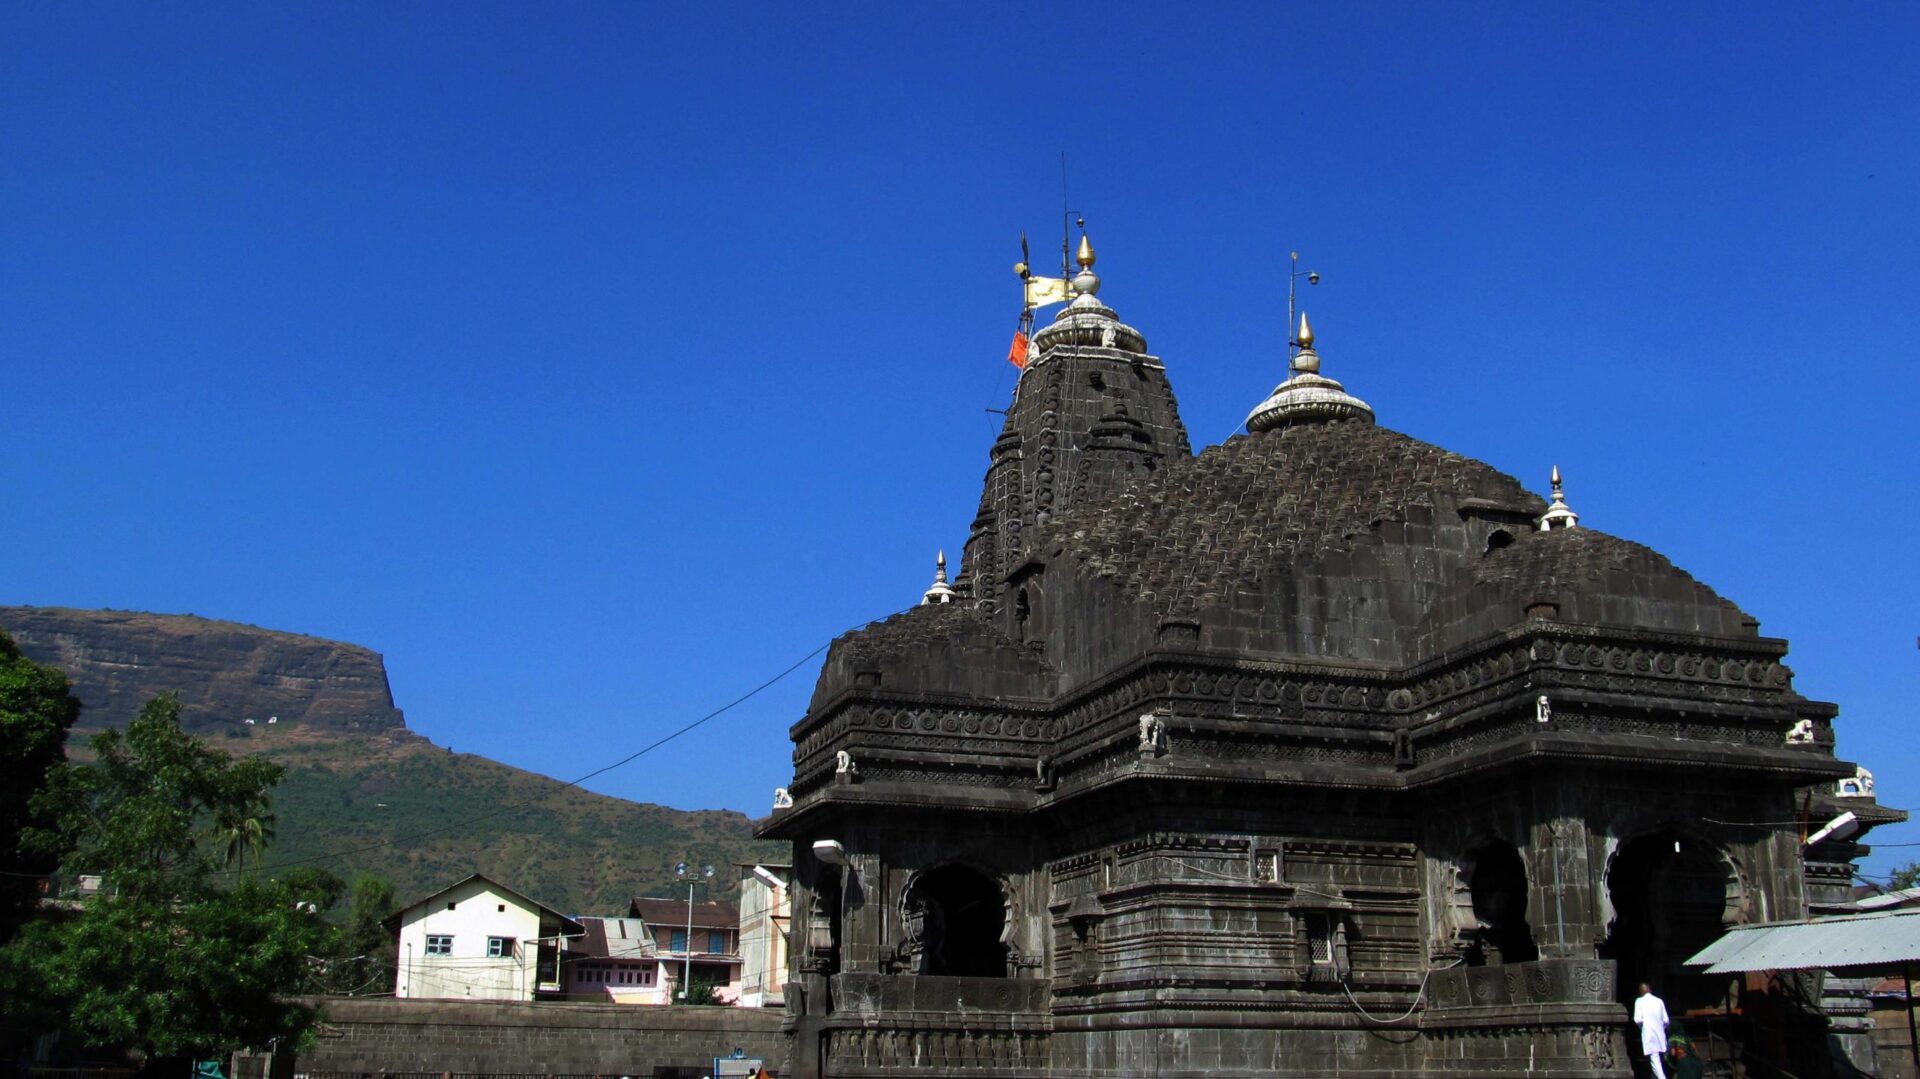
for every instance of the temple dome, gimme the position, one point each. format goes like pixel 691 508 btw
pixel 1307 396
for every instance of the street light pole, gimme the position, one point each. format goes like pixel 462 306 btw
pixel 686 968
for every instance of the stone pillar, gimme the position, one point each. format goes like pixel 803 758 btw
pixel 1563 882
pixel 864 921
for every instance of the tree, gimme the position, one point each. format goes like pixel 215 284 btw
pixel 241 830
pixel 36 711
pixel 366 952
pixel 1906 876
pixel 173 958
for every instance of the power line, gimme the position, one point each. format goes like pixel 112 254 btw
pixel 329 856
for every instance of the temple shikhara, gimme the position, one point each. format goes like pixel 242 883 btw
pixel 1321 751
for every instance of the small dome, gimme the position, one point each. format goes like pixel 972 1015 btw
pixel 940 591
pixel 1307 396
pixel 1558 515
pixel 1085 322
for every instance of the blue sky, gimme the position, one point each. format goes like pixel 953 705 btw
pixel 595 362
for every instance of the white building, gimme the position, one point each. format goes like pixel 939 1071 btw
pixel 479 940
pixel 766 915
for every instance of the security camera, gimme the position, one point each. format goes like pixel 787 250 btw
pixel 1313 279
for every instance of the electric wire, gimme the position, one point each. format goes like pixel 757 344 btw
pixel 329 856
pixel 1418 995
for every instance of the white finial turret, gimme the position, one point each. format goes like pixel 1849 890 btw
pixel 1559 514
pixel 940 591
pixel 1085 322
pixel 1306 395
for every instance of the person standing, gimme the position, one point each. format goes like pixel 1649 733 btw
pixel 1650 1015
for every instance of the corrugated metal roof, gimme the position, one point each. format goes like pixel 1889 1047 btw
pixel 614 938
pixel 1906 897
pixel 1849 940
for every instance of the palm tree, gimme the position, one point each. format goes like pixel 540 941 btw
pixel 243 829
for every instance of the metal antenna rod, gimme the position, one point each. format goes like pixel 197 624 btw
pixel 1294 274
pixel 1066 236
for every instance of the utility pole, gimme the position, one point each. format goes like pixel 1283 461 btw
pixel 686 965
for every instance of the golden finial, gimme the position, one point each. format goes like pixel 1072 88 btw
pixel 1305 337
pixel 1085 256
pixel 1556 481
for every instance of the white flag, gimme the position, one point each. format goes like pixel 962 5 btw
pixel 1042 291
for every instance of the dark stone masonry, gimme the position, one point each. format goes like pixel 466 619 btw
pixel 386 1036
pixel 1325 751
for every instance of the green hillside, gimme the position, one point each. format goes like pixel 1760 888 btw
pixel 423 817
pixel 362 792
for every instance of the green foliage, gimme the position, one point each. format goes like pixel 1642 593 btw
pixel 193 977
pixel 422 818
pixel 36 711
pixel 173 957
pixel 365 955
pixel 140 811
pixel 704 991
pixel 242 829
pixel 1906 876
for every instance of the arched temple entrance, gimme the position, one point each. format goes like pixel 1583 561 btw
pixel 1672 896
pixel 1499 890
pixel 956 917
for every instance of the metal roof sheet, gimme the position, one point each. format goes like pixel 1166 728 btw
pixel 614 938
pixel 1849 940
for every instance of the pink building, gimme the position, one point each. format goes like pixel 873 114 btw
pixel 710 945
pixel 613 960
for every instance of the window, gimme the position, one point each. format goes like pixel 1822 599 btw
pixel 679 941
pixel 439 944
pixel 1322 944
pixel 449 906
pixel 1320 938
pixel 499 947
pixel 716 943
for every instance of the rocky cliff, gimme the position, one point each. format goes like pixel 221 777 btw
pixel 224 673
pixel 364 794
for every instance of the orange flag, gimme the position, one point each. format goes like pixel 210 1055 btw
pixel 1017 355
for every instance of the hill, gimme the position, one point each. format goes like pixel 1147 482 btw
pixel 223 672
pixel 362 792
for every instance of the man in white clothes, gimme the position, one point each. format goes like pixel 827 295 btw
pixel 1650 1015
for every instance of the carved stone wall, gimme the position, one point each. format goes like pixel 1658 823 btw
pixel 1306 756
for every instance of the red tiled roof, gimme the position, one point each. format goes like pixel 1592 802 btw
pixel 707 914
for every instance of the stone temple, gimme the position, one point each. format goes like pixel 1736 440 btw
pixel 1324 751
